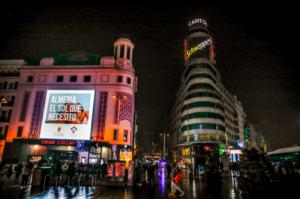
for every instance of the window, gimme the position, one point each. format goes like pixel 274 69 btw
pixel 128 52
pixel 20 131
pixel 59 78
pixel 122 51
pixel 16 85
pixel 125 135
pixel 12 101
pixel 115 134
pixel 9 115
pixel 120 79
pixel 87 78
pixel 4 85
pixel 73 78
pixel 128 80
pixel 11 86
pixel 30 78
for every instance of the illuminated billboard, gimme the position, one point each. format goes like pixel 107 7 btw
pixel 199 47
pixel 68 114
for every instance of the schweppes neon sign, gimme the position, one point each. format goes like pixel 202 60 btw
pixel 197 48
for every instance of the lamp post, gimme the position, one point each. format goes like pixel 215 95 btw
pixel 164 144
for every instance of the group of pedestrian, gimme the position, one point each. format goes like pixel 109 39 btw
pixel 19 169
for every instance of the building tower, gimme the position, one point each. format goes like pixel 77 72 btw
pixel 205 111
pixel 123 49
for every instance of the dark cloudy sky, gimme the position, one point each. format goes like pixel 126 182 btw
pixel 256 47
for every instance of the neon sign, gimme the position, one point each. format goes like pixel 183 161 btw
pixel 58 142
pixel 197 48
pixel 197 21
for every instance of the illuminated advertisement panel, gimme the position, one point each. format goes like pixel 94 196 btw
pixel 68 114
pixel 198 47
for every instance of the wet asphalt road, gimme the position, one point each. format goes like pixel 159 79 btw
pixel 192 188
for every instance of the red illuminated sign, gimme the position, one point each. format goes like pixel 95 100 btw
pixel 59 142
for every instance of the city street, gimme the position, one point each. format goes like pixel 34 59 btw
pixel 192 188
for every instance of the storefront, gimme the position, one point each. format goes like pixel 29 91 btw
pixel 195 156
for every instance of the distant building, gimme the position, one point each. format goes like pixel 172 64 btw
pixel 70 104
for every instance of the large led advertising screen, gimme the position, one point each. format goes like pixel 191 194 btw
pixel 68 114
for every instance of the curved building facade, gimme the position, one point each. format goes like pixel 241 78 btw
pixel 205 111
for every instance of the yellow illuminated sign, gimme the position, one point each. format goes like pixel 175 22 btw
pixel 197 48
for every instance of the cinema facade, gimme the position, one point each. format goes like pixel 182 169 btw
pixel 74 106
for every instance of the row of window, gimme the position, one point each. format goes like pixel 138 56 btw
pixel 202 65
pixel 208 137
pixel 201 85
pixel 9 74
pixel 203 126
pixel 8 85
pixel 203 115
pixel 202 94
pixel 86 78
pixel 195 76
pixel 202 104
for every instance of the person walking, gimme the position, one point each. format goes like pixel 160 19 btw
pixel 26 172
pixel 175 186
pixel 18 172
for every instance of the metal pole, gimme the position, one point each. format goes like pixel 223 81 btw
pixel 164 145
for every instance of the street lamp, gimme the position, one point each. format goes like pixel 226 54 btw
pixel 164 144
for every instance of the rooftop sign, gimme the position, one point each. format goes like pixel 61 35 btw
pixel 197 21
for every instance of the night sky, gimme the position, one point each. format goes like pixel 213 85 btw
pixel 256 49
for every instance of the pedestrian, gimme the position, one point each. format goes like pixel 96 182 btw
pixel 169 169
pixel 137 174
pixel 151 174
pixel 70 173
pixel 25 175
pixel 9 171
pixel 221 167
pixel 104 170
pixel 175 186
pixel 18 171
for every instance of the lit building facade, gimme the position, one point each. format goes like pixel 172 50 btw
pixel 204 111
pixel 75 103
